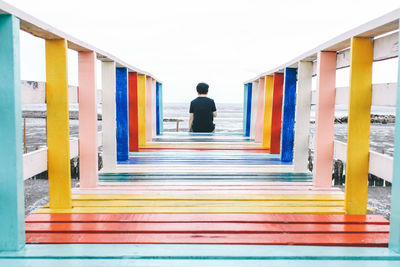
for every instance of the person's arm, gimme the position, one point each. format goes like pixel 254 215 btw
pixel 190 121
pixel 214 109
pixel 215 114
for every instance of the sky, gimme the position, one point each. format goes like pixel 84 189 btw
pixel 184 42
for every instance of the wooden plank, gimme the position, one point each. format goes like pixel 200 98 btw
pixel 123 227
pixel 109 116
pixel 394 242
pixel 357 163
pixel 245 108
pixel 336 239
pixel 276 114
pixel 303 109
pixel 153 108
pixel 254 104
pixel 292 210
pixel 161 104
pixel 289 110
pixel 11 177
pixel 383 94
pixel 158 109
pixel 142 109
pixel 325 116
pixel 269 94
pixel 149 108
pixel 58 153
pixel 260 111
pixel 248 110
pixel 121 99
pixel 133 112
pixel 88 166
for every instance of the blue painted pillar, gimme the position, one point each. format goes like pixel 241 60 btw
pixel 244 108
pixel 157 108
pixel 394 240
pixel 12 213
pixel 161 109
pixel 248 109
pixel 289 110
pixel 121 98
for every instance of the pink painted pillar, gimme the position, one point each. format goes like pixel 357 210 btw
pixel 149 103
pixel 88 167
pixel 260 111
pixel 325 118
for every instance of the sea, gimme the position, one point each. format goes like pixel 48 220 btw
pixel 229 120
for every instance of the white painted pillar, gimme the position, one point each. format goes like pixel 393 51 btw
pixel 254 103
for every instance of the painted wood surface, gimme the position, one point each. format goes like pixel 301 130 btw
pixel 58 124
pixel 11 181
pixel 153 108
pixel 268 100
pixel 158 109
pixel 289 112
pixel 249 110
pixel 133 112
pixel 254 104
pixel 109 116
pixel 394 242
pixel 88 174
pixel 303 109
pixel 357 162
pixel 324 119
pixel 142 109
pixel 245 93
pixel 121 99
pixel 149 109
pixel 260 111
pixel 161 105
pixel 276 114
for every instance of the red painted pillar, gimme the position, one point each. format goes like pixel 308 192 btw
pixel 276 114
pixel 133 112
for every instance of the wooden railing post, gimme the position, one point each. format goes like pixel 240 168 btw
pixel 109 116
pixel 260 110
pixel 12 213
pixel 276 122
pixel 303 108
pixel 394 240
pixel 254 102
pixel 121 99
pixel 88 166
pixel 324 119
pixel 247 120
pixel 142 109
pixel 133 112
pixel 357 162
pixel 149 109
pixel 269 95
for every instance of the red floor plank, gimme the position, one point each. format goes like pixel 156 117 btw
pixel 204 228
pixel 177 149
pixel 265 239
pixel 266 218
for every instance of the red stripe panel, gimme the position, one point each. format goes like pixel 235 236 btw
pixel 204 149
pixel 230 217
pixel 262 239
pixel 276 114
pixel 205 228
pixel 133 113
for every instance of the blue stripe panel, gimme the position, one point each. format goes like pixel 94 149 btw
pixel 248 112
pixel 244 109
pixel 177 161
pixel 289 110
pixel 12 221
pixel 394 241
pixel 157 108
pixel 161 109
pixel 121 98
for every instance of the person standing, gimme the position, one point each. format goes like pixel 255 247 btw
pixel 202 111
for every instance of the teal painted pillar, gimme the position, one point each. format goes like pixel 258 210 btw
pixel 245 109
pixel 394 241
pixel 161 108
pixel 12 221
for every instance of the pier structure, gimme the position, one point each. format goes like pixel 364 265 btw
pixel 185 199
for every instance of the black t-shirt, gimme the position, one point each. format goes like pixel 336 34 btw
pixel 202 109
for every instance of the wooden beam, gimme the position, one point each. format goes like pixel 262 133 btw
pixel 109 117
pixel 88 166
pixel 303 109
pixel 289 111
pixel 158 98
pixel 357 164
pixel 245 100
pixel 12 226
pixel 269 94
pixel 142 109
pixel 161 105
pixel 325 117
pixel 260 111
pixel 133 112
pixel 149 109
pixel 394 239
pixel 58 125
pixel 254 103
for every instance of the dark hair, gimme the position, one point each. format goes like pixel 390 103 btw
pixel 202 88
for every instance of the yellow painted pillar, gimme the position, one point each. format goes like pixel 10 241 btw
pixel 357 163
pixel 269 94
pixel 142 109
pixel 58 125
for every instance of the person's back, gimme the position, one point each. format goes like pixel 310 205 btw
pixel 202 111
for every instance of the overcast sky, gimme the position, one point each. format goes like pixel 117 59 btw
pixel 183 42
